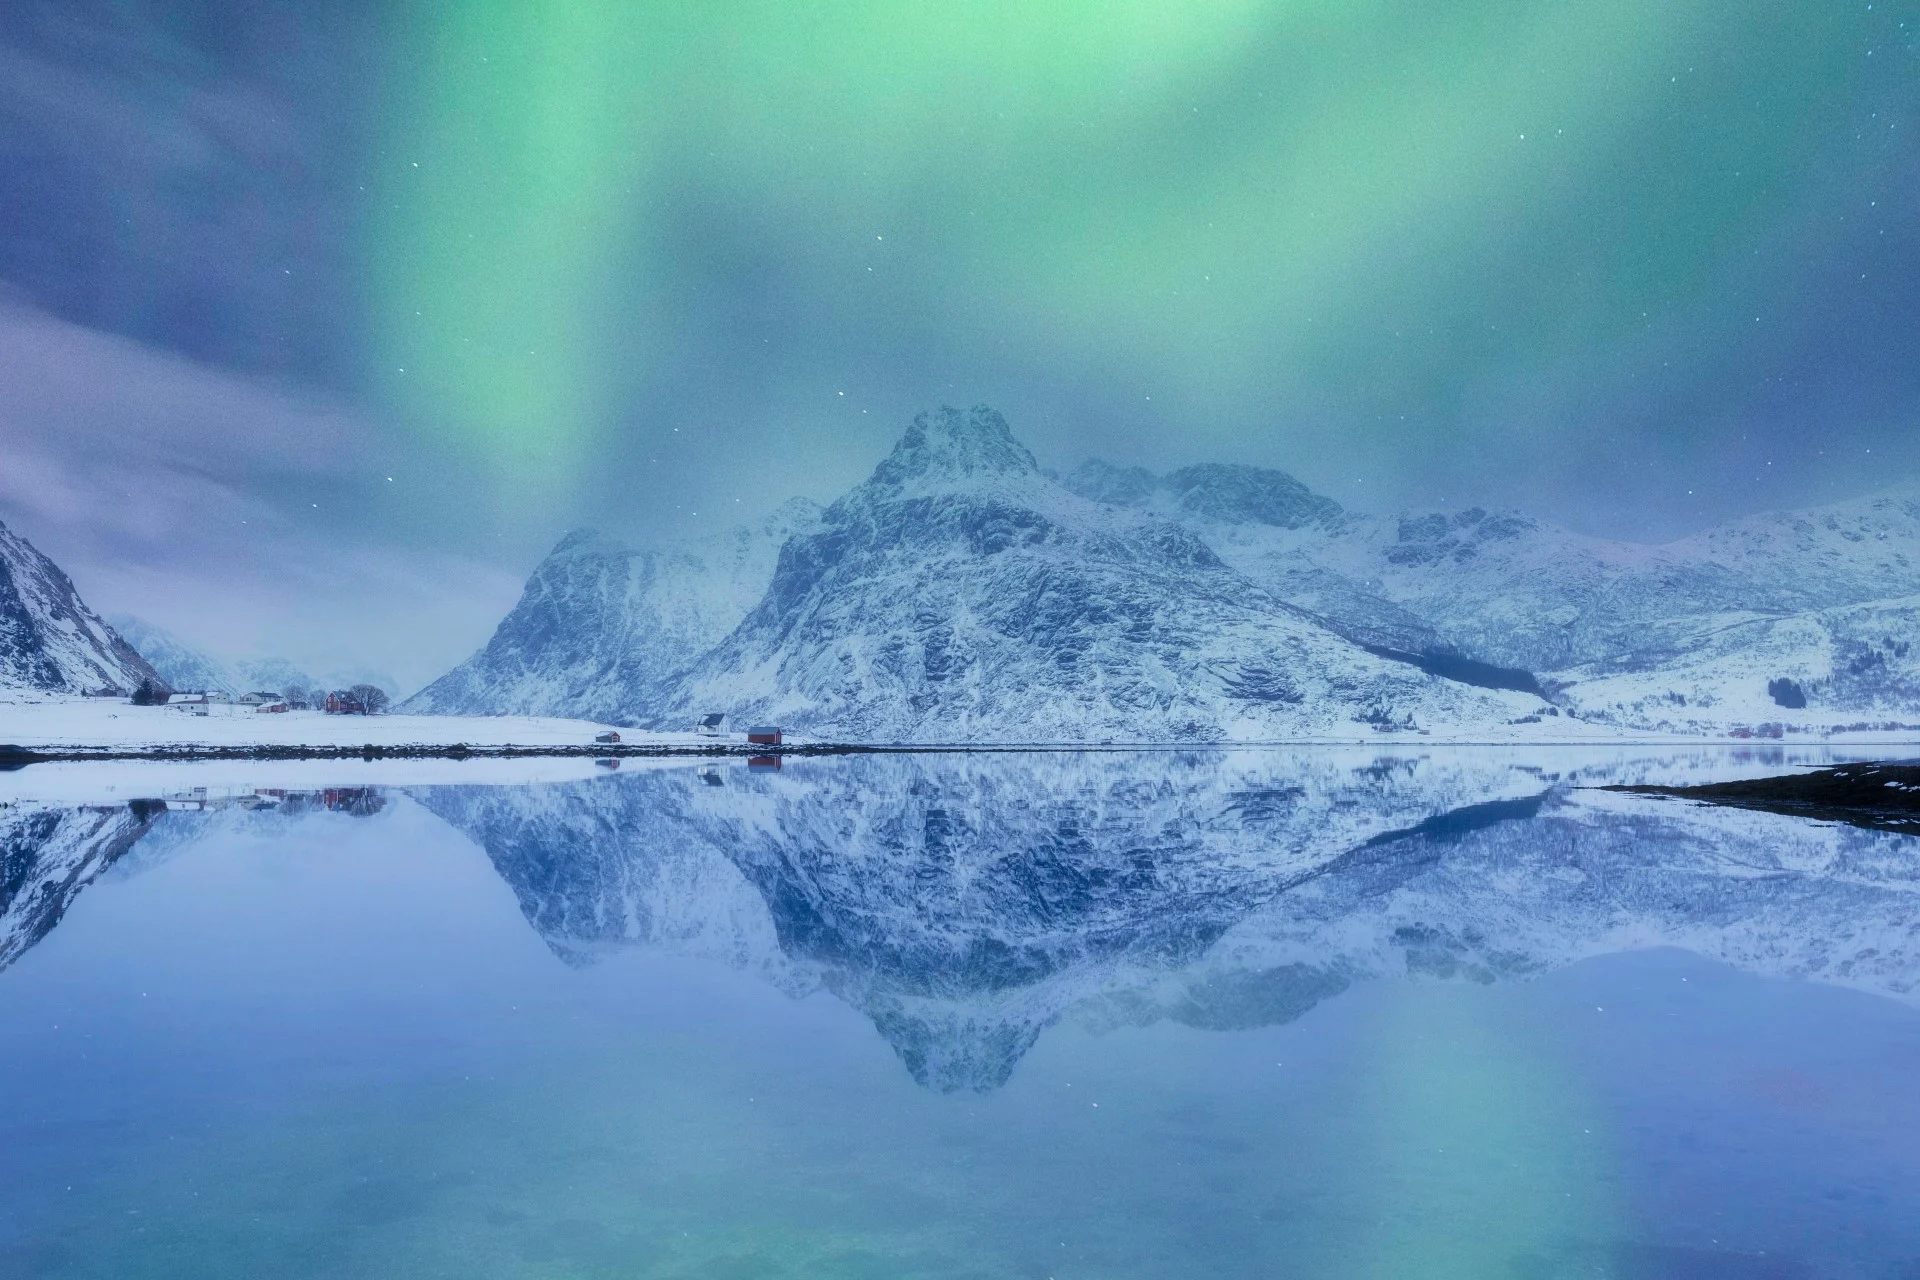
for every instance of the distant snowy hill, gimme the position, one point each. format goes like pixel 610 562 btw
pixel 183 666
pixel 962 595
pixel 1685 635
pixel 49 639
pixel 602 627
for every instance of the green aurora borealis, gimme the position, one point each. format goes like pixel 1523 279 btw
pixel 1636 267
pixel 1360 226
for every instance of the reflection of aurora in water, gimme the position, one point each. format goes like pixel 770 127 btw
pixel 1484 1150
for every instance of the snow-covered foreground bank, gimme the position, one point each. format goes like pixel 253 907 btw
pixel 114 725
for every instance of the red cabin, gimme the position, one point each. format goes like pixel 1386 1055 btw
pixel 764 735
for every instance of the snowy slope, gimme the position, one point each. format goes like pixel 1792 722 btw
pixel 602 627
pixel 1855 667
pixel 49 639
pixel 1818 596
pixel 961 595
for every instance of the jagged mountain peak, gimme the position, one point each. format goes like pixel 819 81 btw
pixel 948 446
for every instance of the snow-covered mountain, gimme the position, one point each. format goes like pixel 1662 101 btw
pixel 962 595
pixel 183 666
pixel 49 639
pixel 1689 634
pixel 602 628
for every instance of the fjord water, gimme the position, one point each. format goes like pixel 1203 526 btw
pixel 1314 1013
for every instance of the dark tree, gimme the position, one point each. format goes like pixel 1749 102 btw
pixel 1787 693
pixel 151 693
pixel 371 697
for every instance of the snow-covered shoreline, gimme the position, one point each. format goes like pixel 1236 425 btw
pixel 112 728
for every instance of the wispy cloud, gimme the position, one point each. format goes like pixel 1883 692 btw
pixel 167 490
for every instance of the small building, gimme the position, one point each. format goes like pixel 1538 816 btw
pixel 764 735
pixel 710 724
pixel 607 738
pixel 273 708
pixel 344 704
pixel 258 699
pixel 194 704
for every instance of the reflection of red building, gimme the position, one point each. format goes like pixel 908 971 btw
pixel 360 802
pixel 764 735
pixel 764 762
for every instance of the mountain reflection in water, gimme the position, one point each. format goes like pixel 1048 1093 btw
pixel 964 903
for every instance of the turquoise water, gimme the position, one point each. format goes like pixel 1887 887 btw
pixel 1241 1014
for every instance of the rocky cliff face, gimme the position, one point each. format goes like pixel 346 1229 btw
pixel 49 639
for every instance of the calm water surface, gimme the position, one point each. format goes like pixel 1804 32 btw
pixel 1312 1013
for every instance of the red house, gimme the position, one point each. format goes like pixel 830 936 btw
pixel 764 735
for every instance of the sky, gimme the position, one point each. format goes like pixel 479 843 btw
pixel 321 322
